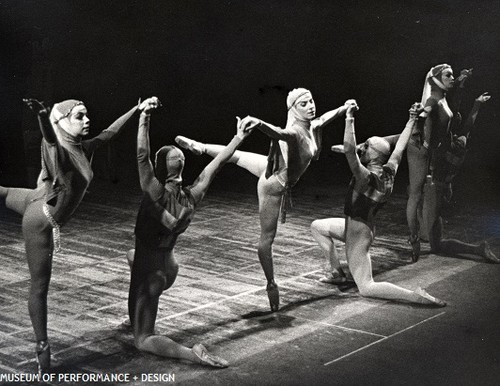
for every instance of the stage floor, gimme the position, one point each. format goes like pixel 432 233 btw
pixel 323 334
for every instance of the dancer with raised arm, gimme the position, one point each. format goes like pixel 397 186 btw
pixel 292 150
pixel 66 174
pixel 374 169
pixel 425 138
pixel 448 158
pixel 166 211
pixel 429 151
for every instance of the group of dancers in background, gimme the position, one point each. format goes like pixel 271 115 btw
pixel 435 138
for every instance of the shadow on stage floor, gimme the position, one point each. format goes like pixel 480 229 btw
pixel 322 335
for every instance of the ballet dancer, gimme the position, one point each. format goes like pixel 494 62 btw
pixel 374 169
pixel 292 150
pixel 65 176
pixel 166 211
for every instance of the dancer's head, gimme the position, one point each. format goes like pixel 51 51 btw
pixel 300 104
pixel 169 163
pixel 71 116
pixel 375 150
pixel 439 77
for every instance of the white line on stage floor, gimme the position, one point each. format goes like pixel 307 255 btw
pixel 383 339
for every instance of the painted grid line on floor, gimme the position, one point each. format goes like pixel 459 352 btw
pixel 383 339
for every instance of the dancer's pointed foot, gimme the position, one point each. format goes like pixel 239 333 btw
pixel 273 294
pixel 42 350
pixel 425 298
pixel 414 241
pixel 193 146
pixel 488 253
pixel 208 359
pixel 336 276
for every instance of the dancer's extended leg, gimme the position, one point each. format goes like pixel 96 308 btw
pixel 254 163
pixel 359 240
pixel 16 199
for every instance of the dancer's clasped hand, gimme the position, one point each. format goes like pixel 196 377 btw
pixel 245 126
pixel 149 104
pixel 352 106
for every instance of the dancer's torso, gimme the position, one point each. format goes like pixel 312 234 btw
pixel 363 201
pixel 149 229
pixel 66 175
pixel 297 154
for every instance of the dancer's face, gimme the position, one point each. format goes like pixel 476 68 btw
pixel 306 107
pixel 447 78
pixel 77 123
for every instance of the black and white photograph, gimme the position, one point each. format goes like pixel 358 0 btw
pixel 231 192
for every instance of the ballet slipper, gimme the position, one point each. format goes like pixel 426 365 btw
pixel 208 359
pixel 488 253
pixel 273 294
pixel 426 298
pixel 42 351
pixel 414 241
pixel 189 144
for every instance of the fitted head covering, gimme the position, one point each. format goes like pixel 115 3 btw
pixel 433 78
pixel 381 146
pixel 293 98
pixel 60 111
pixel 169 163
pixel 294 95
pixel 63 109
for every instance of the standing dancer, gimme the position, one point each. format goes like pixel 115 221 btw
pixel 425 138
pixel 66 174
pixel 448 158
pixel 166 211
pixel 292 150
pixel 374 169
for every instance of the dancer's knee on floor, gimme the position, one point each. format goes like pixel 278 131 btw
pixel 366 288
pixel 140 341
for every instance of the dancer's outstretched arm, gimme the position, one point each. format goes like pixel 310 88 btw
pixel 202 183
pixel 114 129
pixel 402 142
pixel 332 114
pixel 359 171
pixel 456 101
pixel 275 132
pixel 471 119
pixel 149 183
pixel 42 113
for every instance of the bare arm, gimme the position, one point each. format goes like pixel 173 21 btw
pixel 147 179
pixel 358 170
pixel 202 183
pixel 333 114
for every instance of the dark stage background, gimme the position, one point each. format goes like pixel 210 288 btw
pixel 209 61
